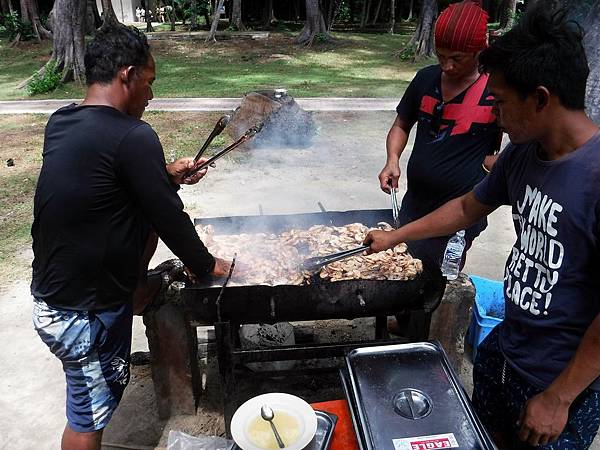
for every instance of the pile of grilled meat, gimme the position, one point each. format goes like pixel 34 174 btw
pixel 276 259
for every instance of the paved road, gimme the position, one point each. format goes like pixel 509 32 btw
pixel 211 104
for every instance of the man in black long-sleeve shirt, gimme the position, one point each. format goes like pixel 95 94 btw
pixel 104 186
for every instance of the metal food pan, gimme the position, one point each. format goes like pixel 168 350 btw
pixel 407 394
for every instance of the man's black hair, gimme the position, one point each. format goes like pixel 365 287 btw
pixel 543 49
pixel 114 47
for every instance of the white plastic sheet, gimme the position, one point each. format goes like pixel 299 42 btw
pixel 182 441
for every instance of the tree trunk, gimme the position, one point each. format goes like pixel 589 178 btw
pixel 172 16
pixel 392 16
pixel 591 43
pixel 410 10
pixel 93 16
pixel 376 16
pixel 6 7
pixel 315 23
pixel 421 44
pixel 68 43
pixel 236 15
pixel 194 17
pixel 268 15
pixel 149 14
pixel 507 14
pixel 366 13
pixel 30 15
pixel 334 9
pixel 215 23
pixel 108 14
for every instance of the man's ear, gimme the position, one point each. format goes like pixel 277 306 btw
pixel 127 73
pixel 542 97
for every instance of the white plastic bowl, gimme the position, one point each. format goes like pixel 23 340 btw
pixel 278 401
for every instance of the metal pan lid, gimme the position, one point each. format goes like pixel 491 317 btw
pixel 408 395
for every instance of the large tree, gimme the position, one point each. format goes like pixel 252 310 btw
pixel 94 20
pixel 422 43
pixel 68 43
pixel 315 24
pixel 108 13
pixel 268 16
pixel 236 15
pixel 194 16
pixel 31 16
pixel 215 23
pixel 508 11
pixel 149 13
pixel 6 7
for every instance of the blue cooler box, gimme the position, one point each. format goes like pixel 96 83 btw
pixel 488 310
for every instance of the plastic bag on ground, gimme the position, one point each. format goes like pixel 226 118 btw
pixel 182 441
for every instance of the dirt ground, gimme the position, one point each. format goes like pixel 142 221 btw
pixel 339 170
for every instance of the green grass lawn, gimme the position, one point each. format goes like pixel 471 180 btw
pixel 354 65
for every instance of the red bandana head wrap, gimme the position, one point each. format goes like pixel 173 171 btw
pixel 462 27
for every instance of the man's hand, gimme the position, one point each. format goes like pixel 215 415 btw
pixel 221 268
pixel 543 419
pixel 379 241
pixel 178 169
pixel 389 176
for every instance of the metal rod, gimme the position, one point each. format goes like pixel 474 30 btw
pixel 218 301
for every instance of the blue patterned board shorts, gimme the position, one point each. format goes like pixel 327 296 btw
pixel 94 348
pixel 500 393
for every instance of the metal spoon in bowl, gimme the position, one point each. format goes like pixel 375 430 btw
pixel 267 413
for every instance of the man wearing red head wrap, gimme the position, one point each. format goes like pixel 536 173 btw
pixel 457 136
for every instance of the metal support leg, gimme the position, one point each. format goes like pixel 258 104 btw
pixel 173 348
pixel 381 331
pixel 225 348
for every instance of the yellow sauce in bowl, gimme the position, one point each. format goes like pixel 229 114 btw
pixel 259 431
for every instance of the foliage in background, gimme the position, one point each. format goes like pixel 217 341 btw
pixel 47 82
pixel 13 26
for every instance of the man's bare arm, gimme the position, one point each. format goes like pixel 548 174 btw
pixel 395 143
pixel 457 214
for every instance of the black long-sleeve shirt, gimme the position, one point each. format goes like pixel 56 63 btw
pixel 102 185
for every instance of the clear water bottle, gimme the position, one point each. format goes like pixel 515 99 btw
pixel 453 255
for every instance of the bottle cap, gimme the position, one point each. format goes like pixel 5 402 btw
pixel 461 233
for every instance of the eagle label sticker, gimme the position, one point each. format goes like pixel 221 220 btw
pixel 426 442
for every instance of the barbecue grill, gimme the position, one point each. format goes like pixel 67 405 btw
pixel 319 300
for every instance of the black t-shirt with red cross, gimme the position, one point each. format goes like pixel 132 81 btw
pixel 453 138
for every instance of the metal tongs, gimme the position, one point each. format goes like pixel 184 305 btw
pixel 245 137
pixel 395 207
pixel 314 264
pixel 217 130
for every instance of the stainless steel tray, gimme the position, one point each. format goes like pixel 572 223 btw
pixel 407 393
pixel 325 426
